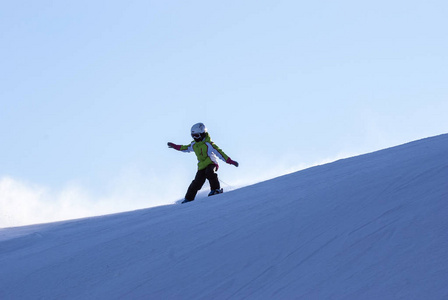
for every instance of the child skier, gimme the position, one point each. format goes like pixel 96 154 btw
pixel 207 153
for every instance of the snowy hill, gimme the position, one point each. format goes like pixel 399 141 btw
pixel 368 227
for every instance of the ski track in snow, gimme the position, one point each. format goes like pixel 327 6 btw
pixel 368 227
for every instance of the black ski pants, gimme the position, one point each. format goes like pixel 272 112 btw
pixel 208 173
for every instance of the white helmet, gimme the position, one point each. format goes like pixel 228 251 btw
pixel 198 131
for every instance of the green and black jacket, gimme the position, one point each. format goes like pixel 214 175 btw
pixel 206 151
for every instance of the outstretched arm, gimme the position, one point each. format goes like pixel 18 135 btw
pixel 183 148
pixel 222 155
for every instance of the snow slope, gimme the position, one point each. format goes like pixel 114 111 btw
pixel 368 227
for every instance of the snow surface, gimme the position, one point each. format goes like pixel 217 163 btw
pixel 368 227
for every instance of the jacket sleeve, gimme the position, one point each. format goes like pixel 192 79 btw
pixel 186 148
pixel 217 151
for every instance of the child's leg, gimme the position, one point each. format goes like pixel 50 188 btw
pixel 212 176
pixel 195 185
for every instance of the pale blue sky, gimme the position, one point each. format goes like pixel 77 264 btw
pixel 91 91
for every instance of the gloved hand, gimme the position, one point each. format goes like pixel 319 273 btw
pixel 174 146
pixel 232 162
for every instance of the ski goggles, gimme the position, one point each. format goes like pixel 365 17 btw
pixel 196 135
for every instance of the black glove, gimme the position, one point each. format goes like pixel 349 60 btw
pixel 232 162
pixel 174 146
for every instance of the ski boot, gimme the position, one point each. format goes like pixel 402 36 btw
pixel 215 192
